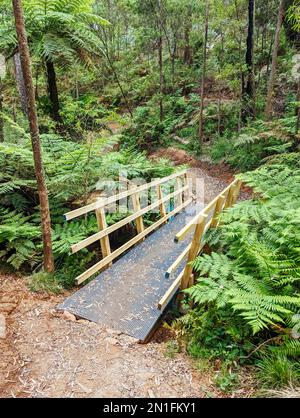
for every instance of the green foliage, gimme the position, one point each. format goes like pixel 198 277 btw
pixel 247 293
pixel 44 282
pixel 278 372
pixel 256 143
pixel 73 171
pixel 172 349
pixel 18 238
pixel 58 30
pixel 226 379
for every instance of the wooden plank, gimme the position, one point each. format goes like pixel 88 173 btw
pixel 112 199
pixel 229 198
pixel 96 267
pixel 185 230
pixel 236 191
pixel 218 210
pixel 162 207
pixel 178 261
pixel 170 292
pixel 194 251
pixel 178 200
pixel 102 225
pixel 187 194
pixel 139 223
pixel 95 237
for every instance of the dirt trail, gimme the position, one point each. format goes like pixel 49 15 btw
pixel 46 354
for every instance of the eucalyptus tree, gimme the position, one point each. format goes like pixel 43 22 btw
pixel 2 74
pixel 271 82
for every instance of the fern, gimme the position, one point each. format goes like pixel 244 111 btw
pixel 257 273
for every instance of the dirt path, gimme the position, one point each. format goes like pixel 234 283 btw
pixel 45 354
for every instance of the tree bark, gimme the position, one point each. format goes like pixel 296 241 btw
pixel 52 90
pixel 271 83
pixel 187 56
pixel 1 110
pixel 201 130
pixel 249 89
pixel 161 79
pixel 35 137
pixel 298 109
pixel 20 82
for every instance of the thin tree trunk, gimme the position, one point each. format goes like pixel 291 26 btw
pixel 187 56
pixel 35 137
pixel 1 110
pixel 271 83
pixel 201 130
pixel 249 90
pixel 240 95
pixel 298 109
pixel 20 82
pixel 52 90
pixel 161 79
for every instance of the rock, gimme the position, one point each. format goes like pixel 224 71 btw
pixel 2 326
pixel 69 316
pixel 7 307
pixel 83 321
pixel 112 341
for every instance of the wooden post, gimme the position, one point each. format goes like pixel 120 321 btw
pixel 195 248
pixel 186 183
pixel 178 199
pixel 162 207
pixel 136 207
pixel 236 192
pixel 104 242
pixel 218 210
pixel 229 197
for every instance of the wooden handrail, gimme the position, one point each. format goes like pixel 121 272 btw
pixel 182 233
pixel 122 195
pixel 98 235
pixel 202 222
pixel 103 235
pixel 96 267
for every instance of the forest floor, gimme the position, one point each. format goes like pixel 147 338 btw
pixel 48 354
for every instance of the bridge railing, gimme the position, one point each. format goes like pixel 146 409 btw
pixel 181 196
pixel 207 218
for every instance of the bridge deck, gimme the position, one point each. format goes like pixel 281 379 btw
pixel 125 296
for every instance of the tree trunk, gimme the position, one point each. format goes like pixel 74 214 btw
pixel 35 137
pixel 201 130
pixel 20 82
pixel 270 93
pixel 187 56
pixel 1 110
pixel 161 78
pixel 298 109
pixel 52 90
pixel 249 90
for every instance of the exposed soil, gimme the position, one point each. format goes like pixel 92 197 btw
pixel 215 176
pixel 46 354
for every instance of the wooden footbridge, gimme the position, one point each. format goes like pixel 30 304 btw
pixel 131 294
